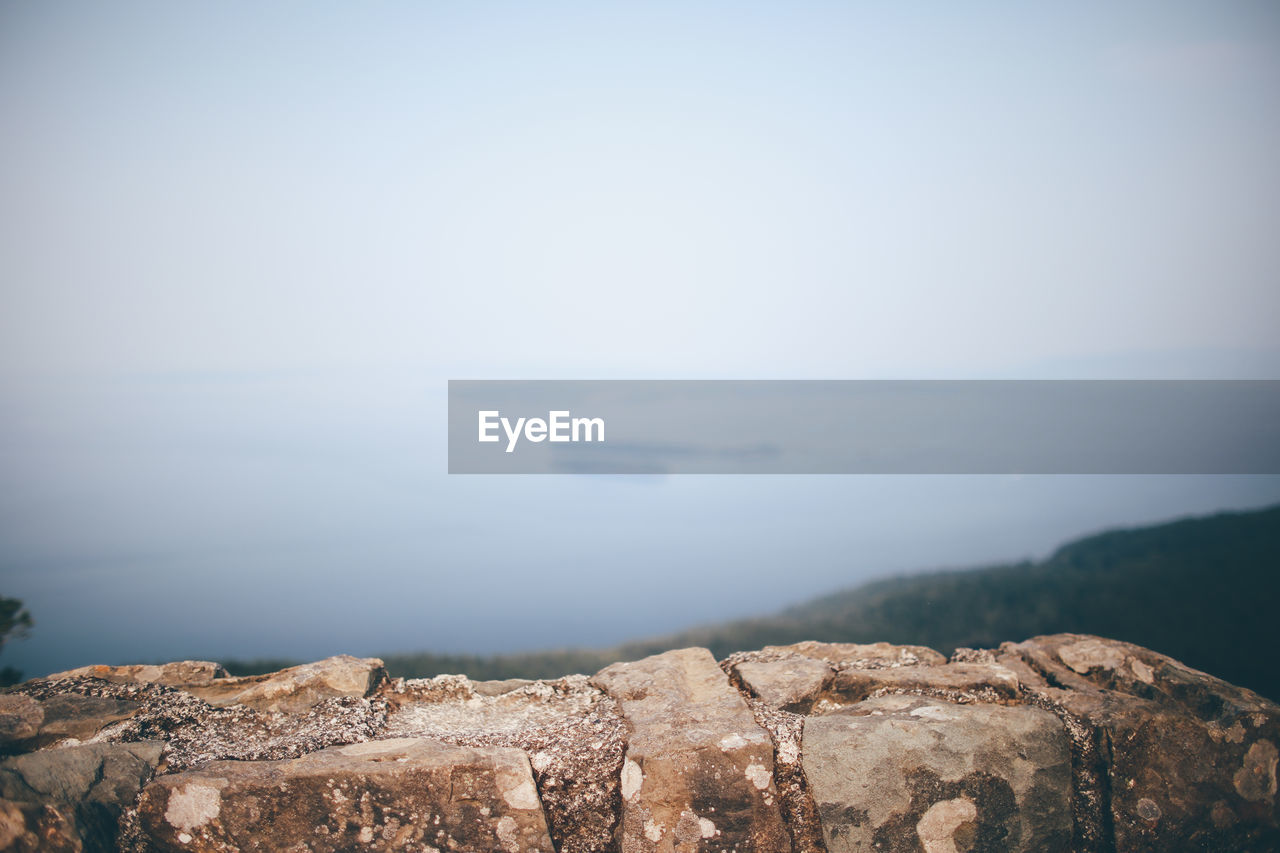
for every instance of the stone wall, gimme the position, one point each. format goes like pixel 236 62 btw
pixel 1060 743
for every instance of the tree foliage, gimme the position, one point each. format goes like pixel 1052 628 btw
pixel 15 621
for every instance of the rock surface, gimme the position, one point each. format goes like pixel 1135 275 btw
pixel 71 799
pixel 899 770
pixel 571 731
pixel 20 720
pixel 698 770
pixel 397 794
pixel 297 688
pixel 186 673
pixel 1066 742
pixel 1185 760
pixel 808 677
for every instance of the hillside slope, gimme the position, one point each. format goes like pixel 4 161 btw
pixel 1204 590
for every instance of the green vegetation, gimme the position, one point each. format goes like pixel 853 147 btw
pixel 15 622
pixel 1205 591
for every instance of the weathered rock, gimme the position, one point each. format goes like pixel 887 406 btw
pixel 400 794
pixel 911 773
pixel 862 655
pixel 818 677
pixel 20 719
pixel 792 683
pixel 571 731
pixel 196 733
pixel 799 811
pixel 1172 758
pixel 74 717
pixel 297 688
pixel 698 772
pixel 989 682
pixel 72 798
pixel 497 688
pixel 669 753
pixel 186 673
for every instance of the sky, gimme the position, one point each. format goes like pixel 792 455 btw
pixel 244 246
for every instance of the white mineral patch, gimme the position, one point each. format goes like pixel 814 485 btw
pixel 507 836
pixel 759 776
pixel 378 747
pixel 1085 655
pixel 938 825
pixel 789 752
pixel 522 795
pixel 706 828
pixel 932 712
pixel 193 805
pixel 733 741
pixel 632 780
pixel 653 831
pixel 1005 674
pixel 1145 673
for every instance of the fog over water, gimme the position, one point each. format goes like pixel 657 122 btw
pixel 243 249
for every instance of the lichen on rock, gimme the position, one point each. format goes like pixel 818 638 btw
pixel 1066 742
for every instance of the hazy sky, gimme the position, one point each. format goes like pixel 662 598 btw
pixel 243 246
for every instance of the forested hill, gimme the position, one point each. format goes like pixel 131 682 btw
pixel 1203 590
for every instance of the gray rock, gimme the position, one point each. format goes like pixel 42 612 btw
pixel 20 719
pixel 74 717
pixel 71 798
pixel 698 771
pixel 911 773
pixel 400 794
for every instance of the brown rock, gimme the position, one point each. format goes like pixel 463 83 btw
pixel 990 682
pixel 817 677
pixel 911 773
pixel 571 731
pixel 1181 760
pixel 792 683
pixel 497 688
pixel 862 655
pixel 187 673
pixel 298 688
pixel 698 772
pixel 401 794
